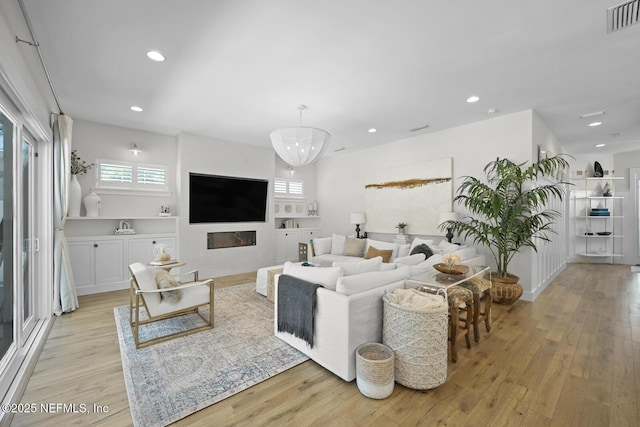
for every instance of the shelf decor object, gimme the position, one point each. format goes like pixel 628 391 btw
pixel 598 220
pixel 300 145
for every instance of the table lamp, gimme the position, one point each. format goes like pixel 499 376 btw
pixel 357 218
pixel 449 216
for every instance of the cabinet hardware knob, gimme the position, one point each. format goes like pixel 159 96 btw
pixel 95 245
pixel 154 242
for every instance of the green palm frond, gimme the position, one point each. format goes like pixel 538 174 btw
pixel 507 211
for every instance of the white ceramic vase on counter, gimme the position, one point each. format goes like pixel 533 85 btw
pixel 75 197
pixel 92 204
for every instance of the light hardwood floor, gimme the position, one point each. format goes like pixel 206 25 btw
pixel 571 358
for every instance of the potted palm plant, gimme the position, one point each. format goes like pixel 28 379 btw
pixel 507 212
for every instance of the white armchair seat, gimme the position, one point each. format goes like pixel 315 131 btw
pixel 144 292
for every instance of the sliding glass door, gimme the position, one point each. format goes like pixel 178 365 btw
pixel 7 333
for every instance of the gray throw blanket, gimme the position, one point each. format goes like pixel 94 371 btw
pixel 296 307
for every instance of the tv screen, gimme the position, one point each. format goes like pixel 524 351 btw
pixel 215 198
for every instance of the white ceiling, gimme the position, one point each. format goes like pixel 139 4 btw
pixel 237 69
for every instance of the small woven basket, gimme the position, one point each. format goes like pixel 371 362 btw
pixel 419 341
pixel 374 370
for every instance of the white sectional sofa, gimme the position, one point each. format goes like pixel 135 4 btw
pixel 349 305
pixel 326 250
pixel 345 317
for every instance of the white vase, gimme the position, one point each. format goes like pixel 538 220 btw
pixel 75 197
pixel 92 204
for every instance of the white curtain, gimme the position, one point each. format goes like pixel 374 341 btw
pixel 65 298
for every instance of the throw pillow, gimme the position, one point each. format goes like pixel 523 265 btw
pixel 322 246
pixel 404 250
pixel 422 249
pixel 384 253
pixel 326 276
pixel 349 285
pixel 447 247
pixel 164 280
pixel 366 266
pixel 417 241
pixel 383 245
pixel 337 244
pixel 354 247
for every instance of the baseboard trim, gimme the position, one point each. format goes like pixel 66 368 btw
pixel 98 289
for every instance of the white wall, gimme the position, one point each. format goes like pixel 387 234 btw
pixel 96 140
pixel 341 177
pixel 217 157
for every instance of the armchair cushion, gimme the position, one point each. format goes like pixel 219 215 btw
pixel 167 281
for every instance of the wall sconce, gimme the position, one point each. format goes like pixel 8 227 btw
pixel 134 149
pixel 357 218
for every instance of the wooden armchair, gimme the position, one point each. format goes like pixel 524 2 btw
pixel 143 287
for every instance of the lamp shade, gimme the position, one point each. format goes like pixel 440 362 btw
pixel 449 216
pixel 357 218
pixel 299 146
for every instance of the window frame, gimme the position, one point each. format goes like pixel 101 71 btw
pixel 288 194
pixel 135 187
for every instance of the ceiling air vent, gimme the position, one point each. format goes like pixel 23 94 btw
pixel 623 15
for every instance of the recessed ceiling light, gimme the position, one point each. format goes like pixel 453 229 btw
pixel 372 130
pixel 155 56
pixel 600 145
pixel 594 114
pixel 136 108
pixel 593 124
pixel 473 99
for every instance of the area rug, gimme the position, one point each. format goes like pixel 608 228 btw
pixel 168 381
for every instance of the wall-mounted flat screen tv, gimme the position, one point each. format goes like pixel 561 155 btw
pixel 214 198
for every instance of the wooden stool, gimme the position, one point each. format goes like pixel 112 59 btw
pixel 480 287
pixel 460 299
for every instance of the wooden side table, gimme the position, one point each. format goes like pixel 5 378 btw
pixel 271 274
pixel 302 252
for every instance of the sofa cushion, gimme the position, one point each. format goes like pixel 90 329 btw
pixel 414 259
pixel 387 266
pixel 466 252
pixel 322 245
pixel 417 241
pixel 349 285
pixel 403 250
pixel 424 266
pixel 373 252
pixel 378 244
pixel 337 244
pixel 354 246
pixel 326 276
pixel 422 248
pixel 446 247
pixel 365 266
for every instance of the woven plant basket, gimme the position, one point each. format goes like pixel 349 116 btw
pixel 505 290
pixel 419 341
pixel 374 370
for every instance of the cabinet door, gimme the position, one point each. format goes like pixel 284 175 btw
pixel 307 235
pixel 109 261
pixel 82 262
pixel 286 246
pixel 141 250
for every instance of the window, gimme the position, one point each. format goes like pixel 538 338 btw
pixel 117 174
pixel 288 188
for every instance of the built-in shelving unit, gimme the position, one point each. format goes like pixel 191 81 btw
pixel 598 219
pixel 100 258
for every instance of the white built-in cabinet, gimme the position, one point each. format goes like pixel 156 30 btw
pixel 288 239
pixel 598 218
pixel 100 259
